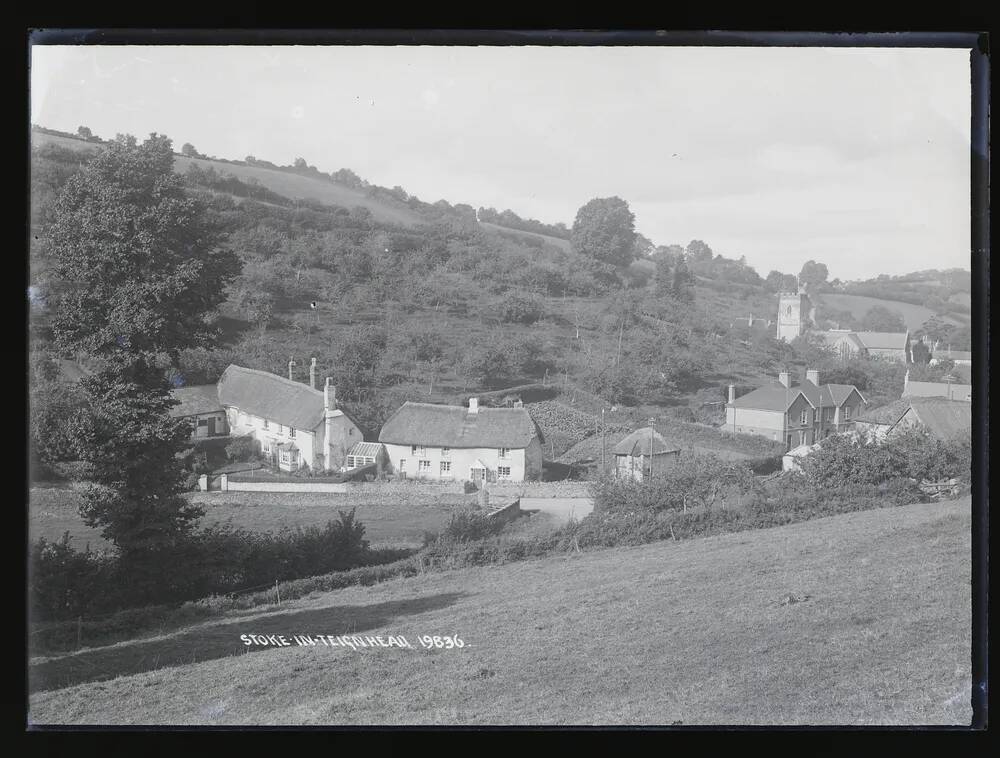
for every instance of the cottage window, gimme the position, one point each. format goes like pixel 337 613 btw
pixel 847 412
pixel 203 422
pixel 413 449
pixel 267 424
pixel 503 470
pixel 445 452
pixel 402 465
pixel 504 451
pixel 445 467
pixel 424 467
pixel 291 431
pixel 350 461
pixel 802 417
pixel 281 429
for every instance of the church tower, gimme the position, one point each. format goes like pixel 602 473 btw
pixel 794 311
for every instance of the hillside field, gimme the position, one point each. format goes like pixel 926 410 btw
pixel 856 619
pixel 913 315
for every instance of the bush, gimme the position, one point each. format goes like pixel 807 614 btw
pixel 242 450
pixel 465 526
pixel 520 309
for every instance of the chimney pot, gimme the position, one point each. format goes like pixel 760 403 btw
pixel 732 392
pixel 329 395
pixel 473 405
pixel 291 365
pixel 785 379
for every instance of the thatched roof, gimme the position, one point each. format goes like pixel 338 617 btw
pixel 272 397
pixel 638 443
pixel 454 426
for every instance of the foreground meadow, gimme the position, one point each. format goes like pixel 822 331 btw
pixel 855 619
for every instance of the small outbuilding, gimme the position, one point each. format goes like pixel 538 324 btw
pixel 641 449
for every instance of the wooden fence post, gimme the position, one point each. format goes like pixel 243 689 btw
pixel 277 591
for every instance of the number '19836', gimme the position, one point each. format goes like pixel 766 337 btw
pixel 445 642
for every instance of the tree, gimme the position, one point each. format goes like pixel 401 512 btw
pixel 789 283
pixel 187 149
pixel 699 252
pixel 136 271
pixel 813 274
pixel 774 281
pixel 663 283
pixel 683 284
pixel 643 246
pixel 920 352
pixel 84 132
pixel 604 230
pixel 881 319
pixel 300 163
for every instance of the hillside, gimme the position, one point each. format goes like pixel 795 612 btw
pixel 287 184
pixel 856 619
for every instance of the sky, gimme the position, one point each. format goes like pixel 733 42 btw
pixel 854 157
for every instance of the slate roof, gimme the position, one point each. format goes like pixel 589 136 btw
pixel 776 397
pixel 201 398
pixel 271 396
pixel 453 426
pixel 637 443
pixel 770 397
pixel 884 340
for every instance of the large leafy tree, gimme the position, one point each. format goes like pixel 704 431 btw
pixel 881 319
pixel 813 274
pixel 604 230
pixel 136 274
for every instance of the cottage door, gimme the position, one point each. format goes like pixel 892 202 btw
pixel 477 475
pixel 211 427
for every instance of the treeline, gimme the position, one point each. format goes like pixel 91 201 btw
pixel 511 220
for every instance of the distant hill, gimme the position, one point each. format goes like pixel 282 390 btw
pixel 859 305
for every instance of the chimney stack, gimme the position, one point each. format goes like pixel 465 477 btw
pixel 312 373
pixel 813 376
pixel 329 396
pixel 785 379
pixel 473 405
pixel 291 365
pixel 732 392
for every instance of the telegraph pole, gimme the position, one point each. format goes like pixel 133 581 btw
pixel 604 464
pixel 651 431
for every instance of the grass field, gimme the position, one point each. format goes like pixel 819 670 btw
pixel 855 619
pixel 54 511
pixel 859 305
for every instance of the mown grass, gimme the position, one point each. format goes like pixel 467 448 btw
pixel 53 511
pixel 862 618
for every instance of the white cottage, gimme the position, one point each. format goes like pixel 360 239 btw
pixel 295 424
pixel 454 443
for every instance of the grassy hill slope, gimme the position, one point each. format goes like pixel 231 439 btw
pixel 859 305
pixel 698 632
pixel 290 185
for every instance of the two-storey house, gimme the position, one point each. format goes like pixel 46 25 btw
pixel 451 442
pixel 799 414
pixel 295 424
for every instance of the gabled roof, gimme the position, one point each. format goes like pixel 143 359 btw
pixel 201 398
pixel 884 340
pixel 832 336
pixel 453 426
pixel 638 443
pixel 271 396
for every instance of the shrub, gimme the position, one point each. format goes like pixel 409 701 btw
pixel 521 309
pixel 242 450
